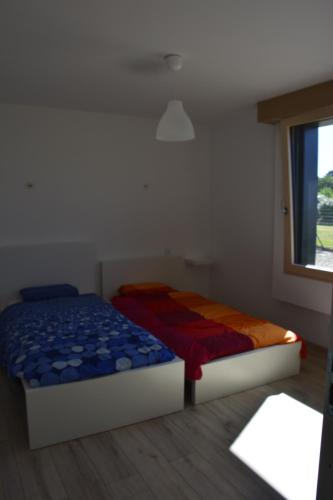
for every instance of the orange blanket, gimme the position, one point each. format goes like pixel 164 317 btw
pixel 262 333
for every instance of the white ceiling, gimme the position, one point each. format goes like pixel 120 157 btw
pixel 105 55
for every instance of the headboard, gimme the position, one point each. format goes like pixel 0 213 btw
pixel 42 264
pixel 171 270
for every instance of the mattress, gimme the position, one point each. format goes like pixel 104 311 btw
pixel 198 330
pixel 68 339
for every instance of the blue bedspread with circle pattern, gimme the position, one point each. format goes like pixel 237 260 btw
pixel 64 340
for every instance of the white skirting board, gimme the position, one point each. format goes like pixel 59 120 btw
pixel 241 372
pixel 68 411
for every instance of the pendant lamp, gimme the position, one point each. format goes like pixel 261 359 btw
pixel 175 125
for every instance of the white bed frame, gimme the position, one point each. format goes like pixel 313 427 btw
pixel 248 370
pixel 221 377
pixel 69 411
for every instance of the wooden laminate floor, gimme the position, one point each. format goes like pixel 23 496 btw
pixel 181 456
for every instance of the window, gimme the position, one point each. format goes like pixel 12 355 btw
pixel 308 203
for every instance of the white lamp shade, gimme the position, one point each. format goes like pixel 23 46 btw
pixel 175 125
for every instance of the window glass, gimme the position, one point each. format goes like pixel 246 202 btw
pixel 311 149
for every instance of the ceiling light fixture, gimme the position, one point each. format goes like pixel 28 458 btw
pixel 175 125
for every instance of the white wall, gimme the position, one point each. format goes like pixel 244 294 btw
pixel 243 220
pixel 88 172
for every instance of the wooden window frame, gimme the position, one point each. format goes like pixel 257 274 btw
pixel 289 264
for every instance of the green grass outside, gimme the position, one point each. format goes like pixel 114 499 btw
pixel 325 233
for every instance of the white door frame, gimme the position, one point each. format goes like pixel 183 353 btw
pixel 325 476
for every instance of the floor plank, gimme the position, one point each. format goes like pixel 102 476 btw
pixel 107 458
pixel 10 481
pixel 204 479
pixel 3 427
pixel 77 473
pixel 133 487
pixel 39 476
pixel 171 446
pixel 164 481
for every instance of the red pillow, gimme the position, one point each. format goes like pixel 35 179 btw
pixel 133 289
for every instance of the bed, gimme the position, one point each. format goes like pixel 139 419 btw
pixel 225 351
pixel 83 366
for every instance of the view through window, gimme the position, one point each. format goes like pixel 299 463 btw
pixel 311 148
pixel 324 227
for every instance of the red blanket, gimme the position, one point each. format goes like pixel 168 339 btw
pixel 188 334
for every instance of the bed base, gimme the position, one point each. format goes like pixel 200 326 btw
pixel 248 370
pixel 68 411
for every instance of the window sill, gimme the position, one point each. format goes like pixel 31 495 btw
pixel 311 272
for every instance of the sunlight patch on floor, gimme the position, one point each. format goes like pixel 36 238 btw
pixel 281 443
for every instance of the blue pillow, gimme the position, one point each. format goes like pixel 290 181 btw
pixel 48 292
